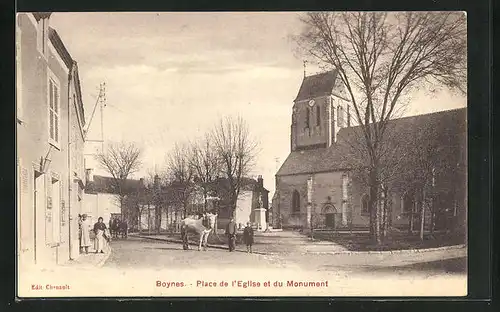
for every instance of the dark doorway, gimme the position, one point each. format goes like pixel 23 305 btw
pixel 330 220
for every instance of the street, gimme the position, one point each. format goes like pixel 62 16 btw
pixel 137 253
pixel 145 267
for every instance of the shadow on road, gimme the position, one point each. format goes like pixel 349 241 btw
pixel 448 266
pixel 163 248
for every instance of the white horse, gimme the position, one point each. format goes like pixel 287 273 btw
pixel 202 226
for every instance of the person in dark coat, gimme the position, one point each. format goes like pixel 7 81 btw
pixel 248 237
pixel 231 234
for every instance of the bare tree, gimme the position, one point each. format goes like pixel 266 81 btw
pixel 236 151
pixel 156 184
pixel 180 175
pixel 120 160
pixel 205 164
pixel 431 161
pixel 381 58
pixel 136 203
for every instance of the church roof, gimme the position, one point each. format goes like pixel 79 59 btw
pixel 449 128
pixel 317 85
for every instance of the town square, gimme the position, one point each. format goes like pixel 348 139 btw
pixel 241 154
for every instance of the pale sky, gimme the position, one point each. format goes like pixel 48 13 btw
pixel 171 76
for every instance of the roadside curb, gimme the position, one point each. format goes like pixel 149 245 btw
pixel 385 252
pixel 342 252
pixel 104 259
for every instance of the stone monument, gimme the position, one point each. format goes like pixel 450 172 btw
pixel 260 215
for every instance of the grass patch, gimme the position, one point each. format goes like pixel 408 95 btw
pixel 398 241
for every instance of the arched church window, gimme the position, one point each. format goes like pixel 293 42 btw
pixel 308 113
pixel 340 116
pixel 364 205
pixel 318 116
pixel 295 201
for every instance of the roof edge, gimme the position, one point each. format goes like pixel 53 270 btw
pixel 56 40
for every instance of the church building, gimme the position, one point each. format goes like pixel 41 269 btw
pixel 316 180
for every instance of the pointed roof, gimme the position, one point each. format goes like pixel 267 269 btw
pixel 39 15
pixel 317 85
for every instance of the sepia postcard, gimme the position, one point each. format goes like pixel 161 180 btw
pixel 249 154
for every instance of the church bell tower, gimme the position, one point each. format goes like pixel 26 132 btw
pixel 320 110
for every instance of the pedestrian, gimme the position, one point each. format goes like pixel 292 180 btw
pixel 231 234
pixel 85 229
pixel 100 240
pixel 248 237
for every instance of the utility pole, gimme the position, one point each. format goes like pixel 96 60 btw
pixel 102 101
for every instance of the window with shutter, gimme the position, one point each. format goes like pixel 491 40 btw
pixel 54 109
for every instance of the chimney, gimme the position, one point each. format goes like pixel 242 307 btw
pixel 89 175
pixel 260 182
pixel 142 181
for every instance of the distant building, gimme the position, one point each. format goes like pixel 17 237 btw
pixel 317 178
pixel 50 137
pixel 101 196
pixel 252 194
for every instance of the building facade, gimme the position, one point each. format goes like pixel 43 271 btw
pixel 318 185
pixel 102 198
pixel 50 137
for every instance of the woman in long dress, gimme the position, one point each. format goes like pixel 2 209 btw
pixel 85 229
pixel 100 241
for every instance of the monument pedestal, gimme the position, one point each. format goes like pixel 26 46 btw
pixel 260 218
pixel 308 216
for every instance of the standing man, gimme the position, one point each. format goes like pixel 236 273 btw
pixel 85 228
pixel 248 237
pixel 231 234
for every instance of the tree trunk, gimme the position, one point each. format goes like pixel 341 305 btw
pixel 121 207
pixel 378 220
pixel 204 201
pixel 374 208
pixel 410 219
pixel 384 219
pixel 140 222
pixel 433 216
pixel 149 220
pixel 157 216
pixel 422 215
